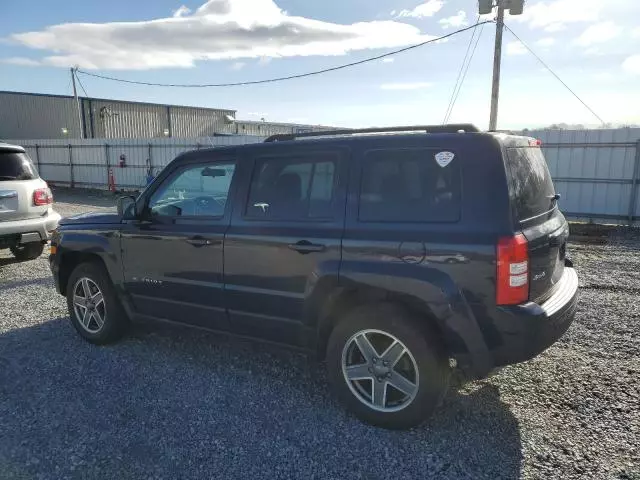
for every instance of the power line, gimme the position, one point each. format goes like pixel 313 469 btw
pixel 464 75
pixel 81 86
pixel 464 60
pixel 289 77
pixel 554 74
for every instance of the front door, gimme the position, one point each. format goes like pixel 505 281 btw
pixel 284 239
pixel 173 256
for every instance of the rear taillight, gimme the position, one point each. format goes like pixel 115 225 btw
pixel 42 196
pixel 512 286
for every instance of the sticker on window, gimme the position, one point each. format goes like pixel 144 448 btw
pixel 444 158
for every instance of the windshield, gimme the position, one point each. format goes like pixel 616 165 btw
pixel 530 184
pixel 16 166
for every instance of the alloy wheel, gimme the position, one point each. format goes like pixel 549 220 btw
pixel 88 305
pixel 380 370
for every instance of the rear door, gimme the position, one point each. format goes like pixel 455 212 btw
pixel 535 209
pixel 285 239
pixel 18 179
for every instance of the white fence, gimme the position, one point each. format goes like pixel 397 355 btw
pixel 87 163
pixel 597 172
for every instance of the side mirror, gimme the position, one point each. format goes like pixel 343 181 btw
pixel 126 206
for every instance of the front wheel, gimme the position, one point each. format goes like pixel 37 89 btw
pixel 28 251
pixel 95 310
pixel 385 368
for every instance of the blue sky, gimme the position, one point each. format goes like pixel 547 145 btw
pixel 593 45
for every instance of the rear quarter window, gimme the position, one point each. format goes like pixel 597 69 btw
pixel 16 166
pixel 530 185
pixel 409 185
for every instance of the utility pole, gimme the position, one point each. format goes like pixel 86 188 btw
pixel 75 95
pixel 497 56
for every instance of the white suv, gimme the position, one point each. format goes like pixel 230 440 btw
pixel 26 214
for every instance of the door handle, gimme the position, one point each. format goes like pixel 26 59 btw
pixel 199 241
pixel 305 246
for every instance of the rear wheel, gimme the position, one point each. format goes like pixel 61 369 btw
pixel 28 251
pixel 384 368
pixel 95 310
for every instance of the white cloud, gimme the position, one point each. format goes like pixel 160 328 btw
pixel 554 15
pixel 406 86
pixel 593 52
pixel 546 42
pixel 264 61
pixel 632 64
pixel 457 20
pixel 219 29
pixel 516 48
pixel 598 33
pixel 555 27
pixel 388 60
pixel 257 114
pixel 603 76
pixel 426 9
pixel 636 32
pixel 238 65
pixel 22 61
pixel 181 11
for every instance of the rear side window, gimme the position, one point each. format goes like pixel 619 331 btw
pixel 292 188
pixel 530 185
pixel 410 185
pixel 16 166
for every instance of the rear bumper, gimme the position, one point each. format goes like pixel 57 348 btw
pixel 524 331
pixel 30 230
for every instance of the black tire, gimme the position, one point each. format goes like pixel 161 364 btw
pixel 28 251
pixel 431 362
pixel 115 321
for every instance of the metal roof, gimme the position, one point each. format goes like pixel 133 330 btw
pixel 116 101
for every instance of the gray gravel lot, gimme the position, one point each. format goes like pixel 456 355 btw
pixel 175 403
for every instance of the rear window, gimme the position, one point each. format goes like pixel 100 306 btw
pixel 410 185
pixel 16 166
pixel 530 184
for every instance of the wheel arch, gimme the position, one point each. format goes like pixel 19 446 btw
pixel 70 260
pixel 429 295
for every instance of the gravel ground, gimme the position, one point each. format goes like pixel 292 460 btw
pixel 176 403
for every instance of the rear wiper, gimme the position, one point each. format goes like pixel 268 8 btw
pixel 8 177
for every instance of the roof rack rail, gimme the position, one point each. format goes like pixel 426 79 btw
pixel 449 128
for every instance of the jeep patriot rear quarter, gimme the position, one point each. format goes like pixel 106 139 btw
pixel 389 254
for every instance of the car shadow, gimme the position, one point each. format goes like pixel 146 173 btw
pixel 168 399
pixel 11 284
pixel 4 261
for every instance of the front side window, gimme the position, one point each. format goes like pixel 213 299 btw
pixel 292 188
pixel 200 190
pixel 410 185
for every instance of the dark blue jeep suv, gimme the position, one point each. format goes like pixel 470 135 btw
pixel 395 254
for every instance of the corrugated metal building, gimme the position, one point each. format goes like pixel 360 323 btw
pixel 248 127
pixel 40 116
